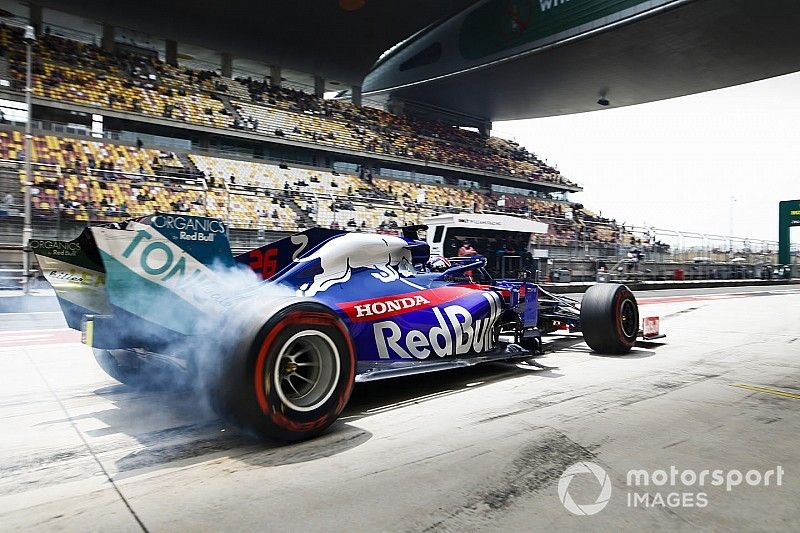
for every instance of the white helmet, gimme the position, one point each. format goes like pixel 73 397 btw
pixel 438 264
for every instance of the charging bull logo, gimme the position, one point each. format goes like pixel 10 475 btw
pixel 455 333
pixel 339 256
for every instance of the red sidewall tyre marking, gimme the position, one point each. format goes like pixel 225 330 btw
pixel 620 297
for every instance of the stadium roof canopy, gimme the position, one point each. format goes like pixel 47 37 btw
pixel 487 60
pixel 513 59
pixel 336 39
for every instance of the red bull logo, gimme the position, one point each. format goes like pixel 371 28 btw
pixel 388 256
pixel 456 332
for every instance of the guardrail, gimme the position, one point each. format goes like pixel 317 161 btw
pixel 60 222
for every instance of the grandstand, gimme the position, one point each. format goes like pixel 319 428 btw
pixel 79 73
pixel 88 180
pixel 285 159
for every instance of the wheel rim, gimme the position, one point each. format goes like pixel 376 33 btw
pixel 628 320
pixel 306 370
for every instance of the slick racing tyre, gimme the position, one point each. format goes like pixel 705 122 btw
pixel 127 367
pixel 290 378
pixel 609 318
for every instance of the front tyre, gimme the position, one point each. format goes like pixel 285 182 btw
pixel 609 318
pixel 292 378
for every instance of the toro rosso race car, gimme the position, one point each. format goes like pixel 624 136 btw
pixel 280 334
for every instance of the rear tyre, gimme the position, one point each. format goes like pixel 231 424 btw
pixel 609 318
pixel 290 378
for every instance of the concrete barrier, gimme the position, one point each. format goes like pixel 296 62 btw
pixel 578 287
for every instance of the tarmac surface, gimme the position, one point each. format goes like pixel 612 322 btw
pixel 482 448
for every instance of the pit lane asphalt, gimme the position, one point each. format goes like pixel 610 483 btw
pixel 480 448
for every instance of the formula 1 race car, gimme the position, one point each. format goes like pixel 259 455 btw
pixel 280 334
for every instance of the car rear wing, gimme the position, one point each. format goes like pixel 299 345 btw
pixel 76 273
pixel 162 270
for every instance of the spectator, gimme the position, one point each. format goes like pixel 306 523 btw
pixel 467 250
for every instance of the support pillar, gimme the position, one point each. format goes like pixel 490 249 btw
pixel 355 95
pixel 107 40
pixel 226 65
pixel 171 52
pixel 485 129
pixel 275 75
pixel 319 86
pixel 35 17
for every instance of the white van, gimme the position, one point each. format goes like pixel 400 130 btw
pixel 502 239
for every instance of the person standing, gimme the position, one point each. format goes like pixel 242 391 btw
pixel 467 250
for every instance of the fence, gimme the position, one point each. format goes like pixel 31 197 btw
pixel 65 201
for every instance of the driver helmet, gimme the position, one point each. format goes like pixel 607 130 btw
pixel 438 264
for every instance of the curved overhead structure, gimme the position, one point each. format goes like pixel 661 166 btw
pixel 337 39
pixel 513 59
